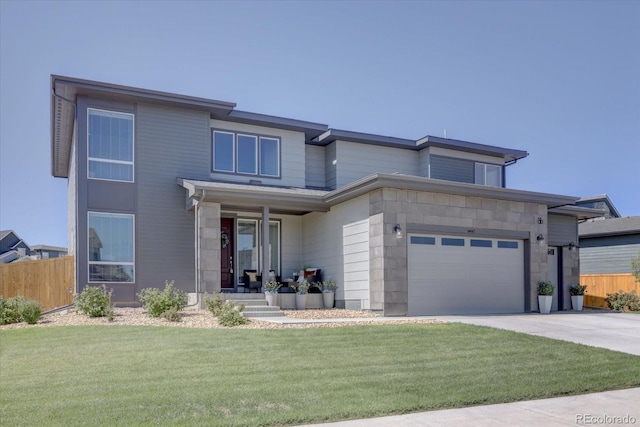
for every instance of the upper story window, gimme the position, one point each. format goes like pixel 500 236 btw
pixel 246 154
pixel 489 175
pixel 110 145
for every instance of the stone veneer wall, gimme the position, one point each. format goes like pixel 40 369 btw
pixel 388 207
pixel 208 246
pixel 570 273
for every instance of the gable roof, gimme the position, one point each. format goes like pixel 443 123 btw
pixel 609 227
pixel 594 201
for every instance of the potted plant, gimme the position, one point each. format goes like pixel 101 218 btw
pixel 302 289
pixel 328 288
pixel 577 296
pixel 271 292
pixel 545 296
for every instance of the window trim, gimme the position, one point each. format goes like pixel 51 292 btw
pixel 113 161
pixel 233 151
pixel 237 152
pixel 258 138
pixel 259 156
pixel 133 247
pixel 484 174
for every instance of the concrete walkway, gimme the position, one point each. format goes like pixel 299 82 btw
pixel 614 331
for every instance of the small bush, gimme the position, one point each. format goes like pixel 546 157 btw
pixel 214 305
pixel 18 309
pixel 95 301
pixel 172 315
pixel 545 288
pixel 31 311
pixel 10 310
pixel 231 315
pixel 227 312
pixel 156 302
pixel 623 301
pixel 577 289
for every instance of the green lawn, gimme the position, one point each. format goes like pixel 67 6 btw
pixel 125 375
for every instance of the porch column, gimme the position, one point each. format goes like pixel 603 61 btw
pixel 265 245
pixel 208 237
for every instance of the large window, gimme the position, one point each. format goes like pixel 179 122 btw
pixel 110 145
pixel 246 154
pixel 250 242
pixel 489 175
pixel 110 247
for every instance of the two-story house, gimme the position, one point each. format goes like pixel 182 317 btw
pixel 172 187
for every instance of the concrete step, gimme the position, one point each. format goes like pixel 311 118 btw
pixel 242 296
pixel 261 308
pixel 250 302
pixel 264 313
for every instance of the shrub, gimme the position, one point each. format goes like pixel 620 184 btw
pixel 227 312
pixel 18 309
pixel 172 315
pixel 577 289
pixel 156 302
pixel 623 301
pixel 10 310
pixel 95 301
pixel 545 288
pixel 231 315
pixel 214 305
pixel 31 311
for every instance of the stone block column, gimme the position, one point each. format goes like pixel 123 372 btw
pixel 208 247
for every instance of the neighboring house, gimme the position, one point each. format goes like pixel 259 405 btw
pixel 601 201
pixel 607 246
pixel 12 247
pixel 171 187
pixel 46 251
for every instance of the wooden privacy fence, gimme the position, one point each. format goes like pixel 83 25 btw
pixel 50 281
pixel 599 285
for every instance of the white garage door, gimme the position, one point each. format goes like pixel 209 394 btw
pixel 465 275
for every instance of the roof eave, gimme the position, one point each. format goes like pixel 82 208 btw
pixel 577 211
pixel 414 183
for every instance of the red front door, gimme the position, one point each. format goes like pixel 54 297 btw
pixel 226 253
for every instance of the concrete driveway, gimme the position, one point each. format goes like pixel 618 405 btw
pixel 615 331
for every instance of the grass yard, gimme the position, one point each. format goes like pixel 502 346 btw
pixel 127 375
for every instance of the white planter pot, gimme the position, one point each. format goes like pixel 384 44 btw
pixel 328 299
pixel 544 303
pixel 272 299
pixel 301 301
pixel 577 301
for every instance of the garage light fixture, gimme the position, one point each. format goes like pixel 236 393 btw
pixel 540 239
pixel 573 247
pixel 398 231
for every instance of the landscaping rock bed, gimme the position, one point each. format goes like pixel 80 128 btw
pixel 194 318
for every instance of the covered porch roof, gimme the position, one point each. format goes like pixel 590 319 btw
pixel 299 201
pixel 250 197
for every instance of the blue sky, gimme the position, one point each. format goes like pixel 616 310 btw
pixel 560 80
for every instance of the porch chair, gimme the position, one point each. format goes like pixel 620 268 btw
pixel 252 280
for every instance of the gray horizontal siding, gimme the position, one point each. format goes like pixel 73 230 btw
pixel 451 169
pixel 356 161
pixel 607 259
pixel 329 167
pixel 314 166
pixel 563 229
pixel 170 143
pixel 423 163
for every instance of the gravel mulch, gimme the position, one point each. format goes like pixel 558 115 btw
pixel 195 318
